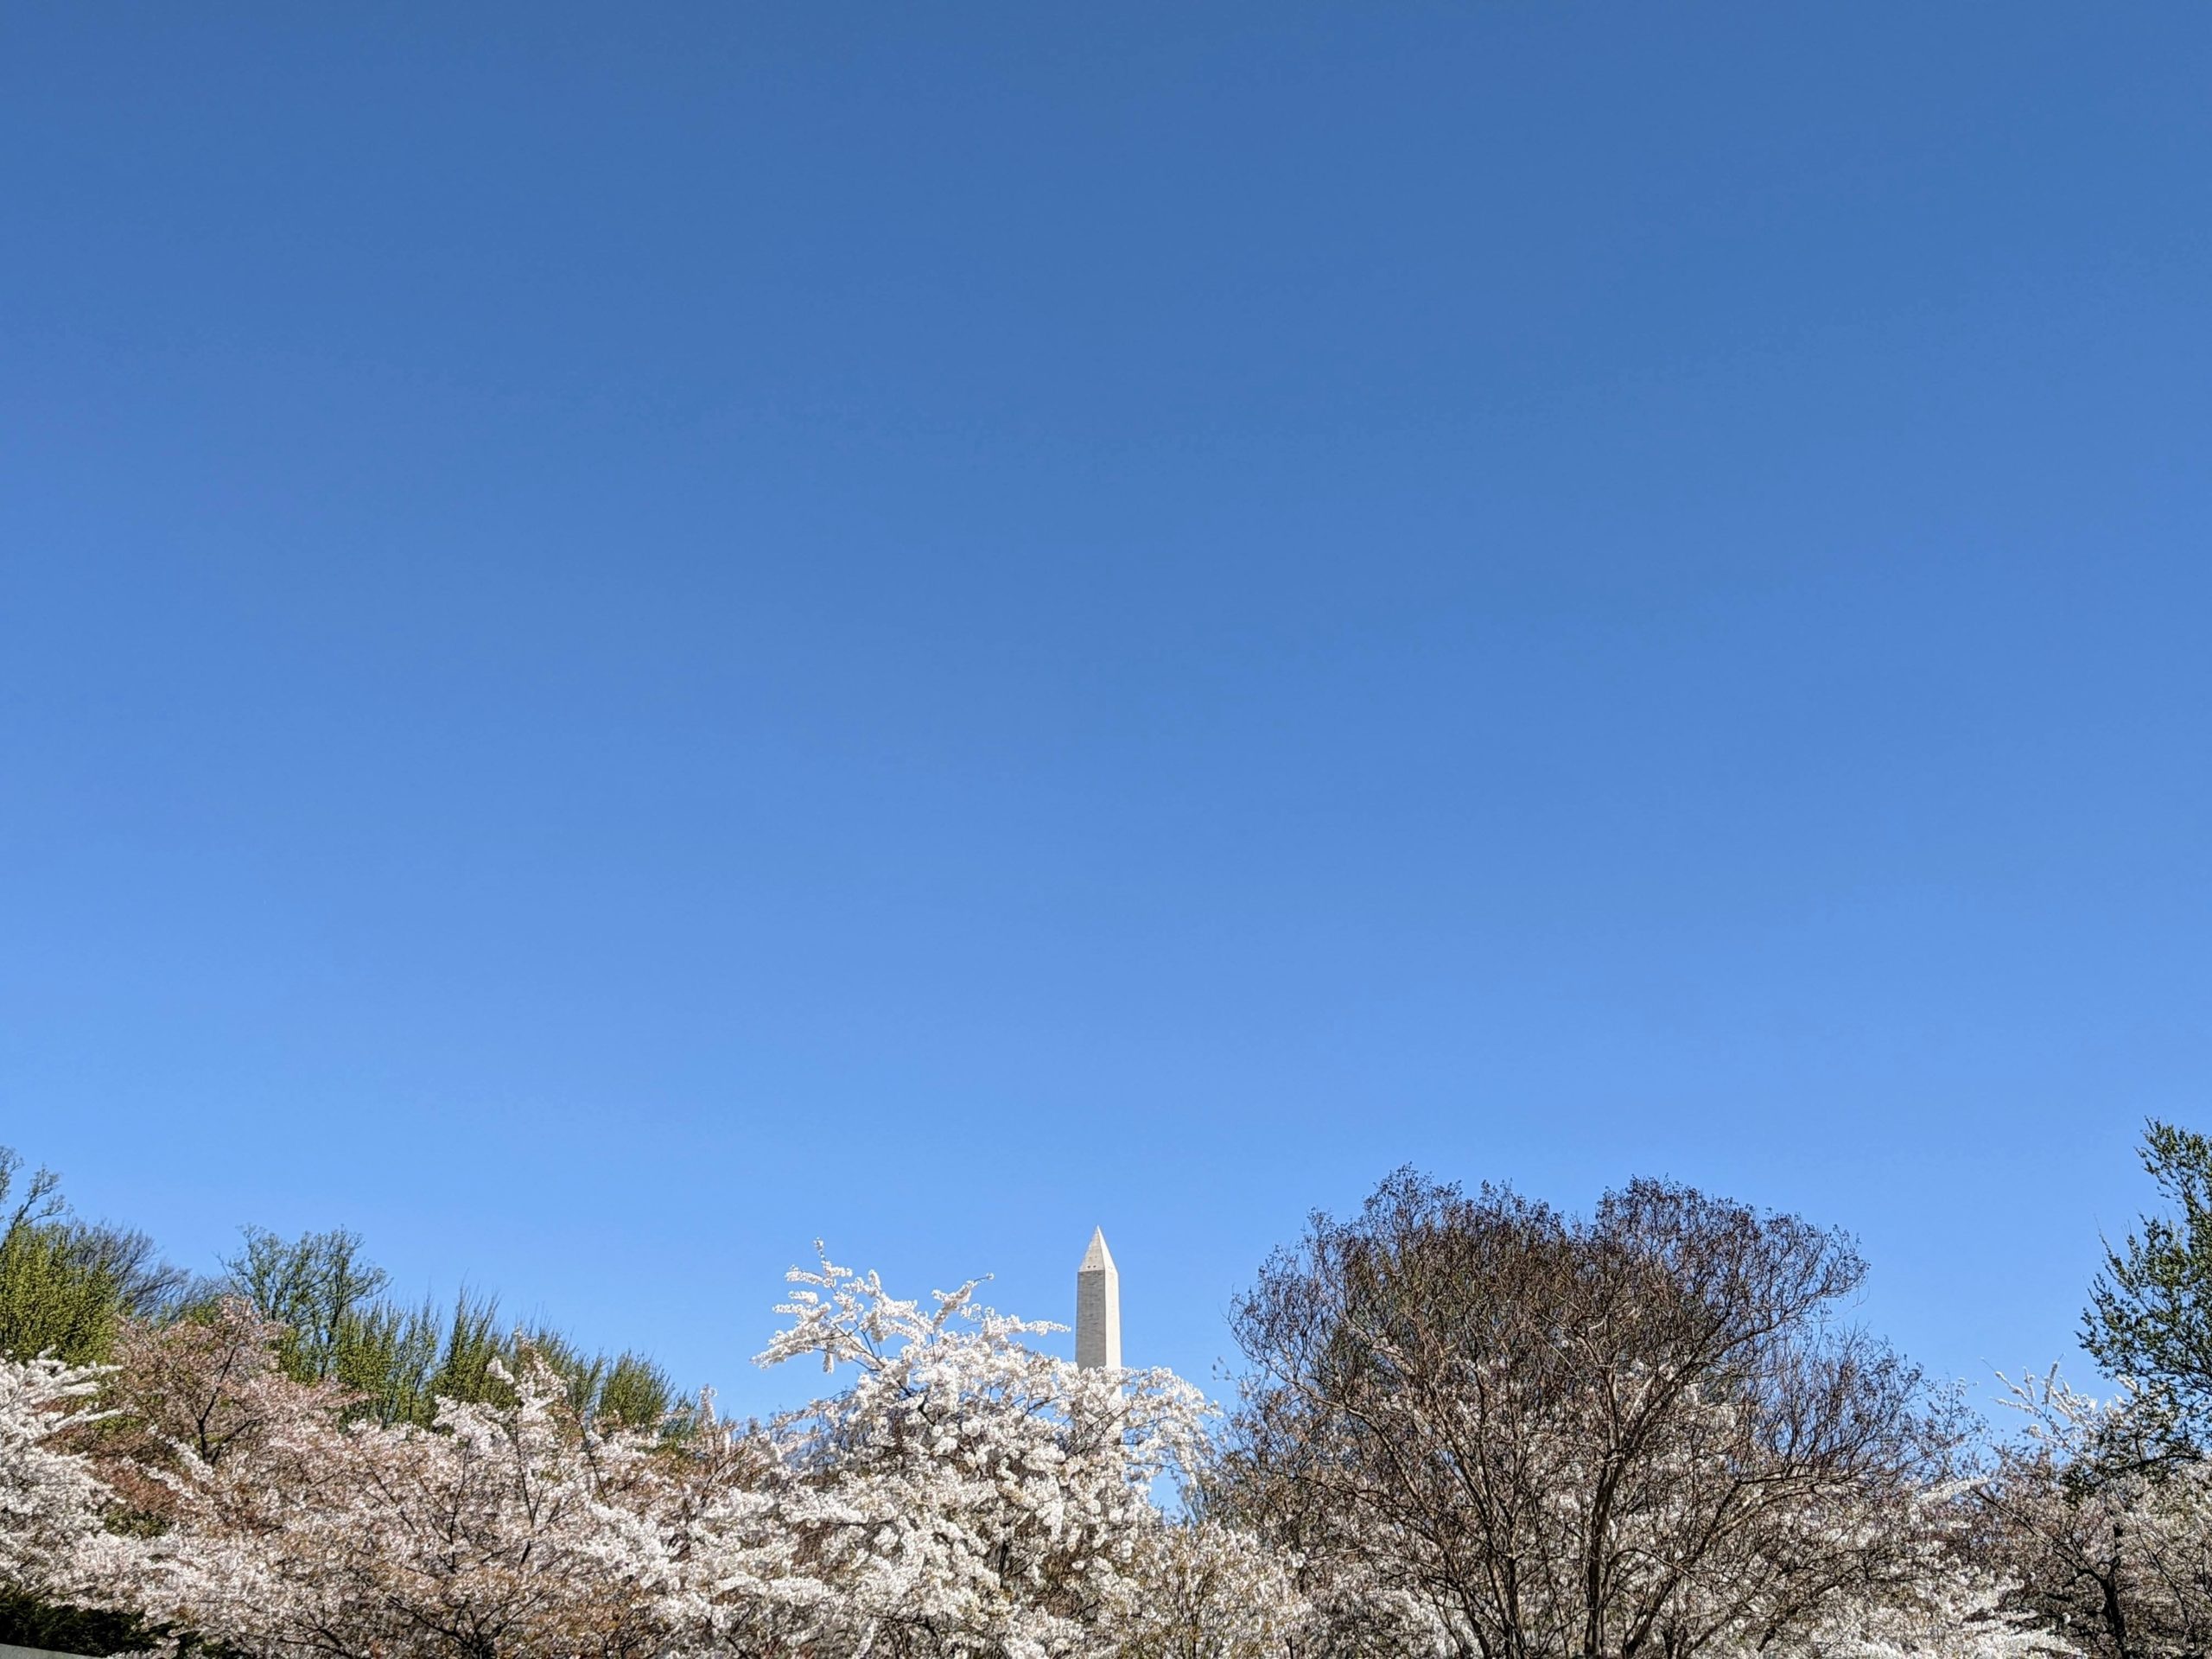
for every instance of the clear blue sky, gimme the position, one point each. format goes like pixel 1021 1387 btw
pixel 631 635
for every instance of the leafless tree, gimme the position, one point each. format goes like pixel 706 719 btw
pixel 1485 1425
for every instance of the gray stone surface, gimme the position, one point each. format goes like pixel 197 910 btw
pixel 1098 1308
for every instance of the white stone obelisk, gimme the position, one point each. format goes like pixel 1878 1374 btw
pixel 1098 1308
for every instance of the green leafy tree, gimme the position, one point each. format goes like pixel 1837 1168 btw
pixel 400 1362
pixel 66 1284
pixel 48 1303
pixel 2149 1313
pixel 318 1285
pixel 636 1392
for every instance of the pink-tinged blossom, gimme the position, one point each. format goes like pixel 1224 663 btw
pixel 505 1530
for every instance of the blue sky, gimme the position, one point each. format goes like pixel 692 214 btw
pixel 628 637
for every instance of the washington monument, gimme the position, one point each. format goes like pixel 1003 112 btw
pixel 1098 1308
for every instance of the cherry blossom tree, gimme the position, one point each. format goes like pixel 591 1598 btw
pixel 1485 1427
pixel 505 1529
pixel 2101 1515
pixel 53 1540
pixel 969 1493
pixel 1943 1599
pixel 1208 1591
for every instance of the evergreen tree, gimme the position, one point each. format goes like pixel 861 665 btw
pixel 2149 1313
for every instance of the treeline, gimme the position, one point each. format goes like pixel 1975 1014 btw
pixel 1469 1426
pixel 68 1286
